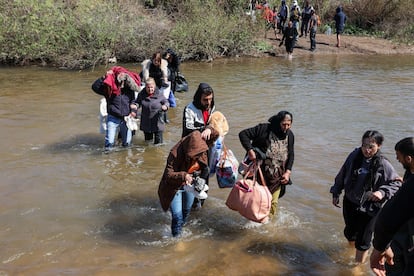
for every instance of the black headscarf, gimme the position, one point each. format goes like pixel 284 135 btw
pixel 275 121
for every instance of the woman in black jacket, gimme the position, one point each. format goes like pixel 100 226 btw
pixel 274 143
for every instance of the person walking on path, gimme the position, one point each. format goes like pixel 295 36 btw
pixel 289 38
pixel 313 27
pixel 340 20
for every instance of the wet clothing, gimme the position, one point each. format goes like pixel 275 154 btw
pixel 359 176
pixel 182 157
pixel 118 102
pixel 279 151
pixel 178 164
pixel 289 37
pixel 151 112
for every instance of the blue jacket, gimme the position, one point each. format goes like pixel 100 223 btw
pixel 340 19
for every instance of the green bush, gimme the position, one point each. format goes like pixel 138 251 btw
pixel 208 32
pixel 80 33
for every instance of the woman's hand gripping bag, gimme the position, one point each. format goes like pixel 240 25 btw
pixel 250 199
pixel 227 169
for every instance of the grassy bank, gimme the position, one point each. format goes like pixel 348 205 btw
pixel 83 33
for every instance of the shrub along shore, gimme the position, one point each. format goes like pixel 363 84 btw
pixel 77 34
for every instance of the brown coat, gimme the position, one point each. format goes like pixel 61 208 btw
pixel 178 163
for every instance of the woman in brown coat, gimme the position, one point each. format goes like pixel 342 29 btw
pixel 187 157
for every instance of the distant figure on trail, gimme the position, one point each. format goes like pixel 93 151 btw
pixel 267 15
pixel 283 15
pixel 295 16
pixel 340 20
pixel 306 15
pixel 313 27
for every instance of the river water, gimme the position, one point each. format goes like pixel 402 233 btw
pixel 69 209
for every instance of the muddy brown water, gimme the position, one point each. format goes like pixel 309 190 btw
pixel 68 209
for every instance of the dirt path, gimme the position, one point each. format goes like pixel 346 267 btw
pixel 326 44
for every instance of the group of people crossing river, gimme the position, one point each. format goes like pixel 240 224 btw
pixel 377 203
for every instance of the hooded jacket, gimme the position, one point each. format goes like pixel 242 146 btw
pixel 179 162
pixel 193 113
pixel 340 19
pixel 383 179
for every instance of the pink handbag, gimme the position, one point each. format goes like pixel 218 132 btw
pixel 249 198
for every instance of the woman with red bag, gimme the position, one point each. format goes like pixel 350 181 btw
pixel 273 142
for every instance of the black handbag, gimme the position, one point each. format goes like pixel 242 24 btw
pixel 181 84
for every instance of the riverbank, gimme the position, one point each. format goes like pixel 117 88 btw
pixel 326 44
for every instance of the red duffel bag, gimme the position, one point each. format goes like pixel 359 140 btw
pixel 249 198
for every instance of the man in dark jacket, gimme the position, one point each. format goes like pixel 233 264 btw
pixel 340 19
pixel 397 212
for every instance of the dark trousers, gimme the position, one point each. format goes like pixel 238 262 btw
pixel 313 39
pixel 359 226
pixel 157 136
pixel 304 26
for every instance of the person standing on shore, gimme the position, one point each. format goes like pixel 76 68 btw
pixel 283 15
pixel 369 180
pixel 340 20
pixel 306 15
pixel 313 26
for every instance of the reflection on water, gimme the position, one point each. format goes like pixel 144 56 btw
pixel 68 208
